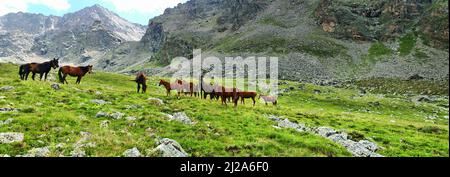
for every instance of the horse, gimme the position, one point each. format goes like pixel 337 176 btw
pixel 171 86
pixel 141 79
pixel 226 93
pixel 208 89
pixel 42 68
pixel 243 95
pixel 269 99
pixel 188 88
pixel 73 71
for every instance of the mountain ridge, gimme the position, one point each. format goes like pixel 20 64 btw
pixel 30 37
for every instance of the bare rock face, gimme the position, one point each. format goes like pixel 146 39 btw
pixel 73 35
pixel 155 37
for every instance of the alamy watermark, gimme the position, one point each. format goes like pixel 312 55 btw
pixel 247 74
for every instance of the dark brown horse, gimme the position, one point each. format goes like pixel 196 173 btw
pixel 42 68
pixel 141 79
pixel 171 86
pixel 208 89
pixel 74 72
pixel 243 95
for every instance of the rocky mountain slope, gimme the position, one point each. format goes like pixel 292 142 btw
pixel 78 37
pixel 319 40
pixel 315 40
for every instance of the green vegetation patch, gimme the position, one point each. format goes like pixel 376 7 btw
pixel 407 43
pixel 379 49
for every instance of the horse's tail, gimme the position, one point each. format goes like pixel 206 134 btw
pixel 60 75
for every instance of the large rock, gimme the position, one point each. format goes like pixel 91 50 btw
pixel 6 88
pixel 358 150
pixel 116 115
pixel 339 138
pixel 100 102
pixel 168 148
pixel 10 137
pixel 7 109
pixel 134 152
pixel 288 124
pixel 325 131
pixel 156 101
pixel 38 152
pixel 78 152
pixel 369 145
pixel 181 117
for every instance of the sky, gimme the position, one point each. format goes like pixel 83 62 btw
pixel 137 11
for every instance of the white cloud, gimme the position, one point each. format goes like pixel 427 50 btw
pixel 143 6
pixel 8 6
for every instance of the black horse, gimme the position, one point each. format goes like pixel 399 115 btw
pixel 42 68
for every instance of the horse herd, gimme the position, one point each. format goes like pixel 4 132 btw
pixel 202 90
pixel 214 91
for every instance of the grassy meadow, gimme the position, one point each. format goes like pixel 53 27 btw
pixel 49 117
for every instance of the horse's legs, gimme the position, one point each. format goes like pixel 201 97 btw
pixel 46 76
pixel 26 75
pixel 40 76
pixel 64 79
pixel 78 80
pixel 33 76
pixel 138 87
pixel 254 101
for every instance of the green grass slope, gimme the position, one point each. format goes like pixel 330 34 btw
pixel 49 117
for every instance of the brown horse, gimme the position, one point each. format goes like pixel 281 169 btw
pixel 42 68
pixel 73 71
pixel 141 79
pixel 269 99
pixel 171 86
pixel 226 93
pixel 243 95
pixel 188 88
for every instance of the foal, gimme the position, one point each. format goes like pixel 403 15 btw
pixel 141 79
pixel 269 99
